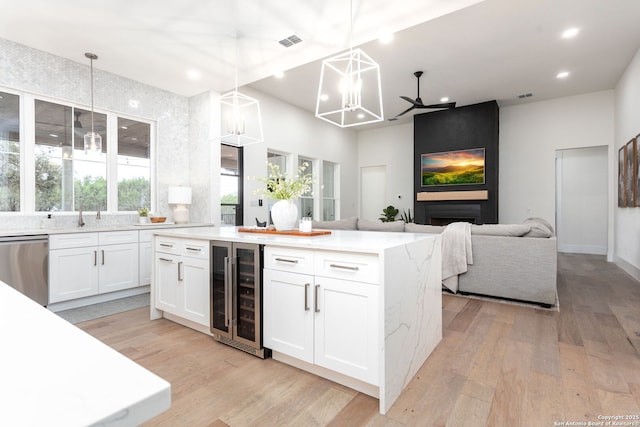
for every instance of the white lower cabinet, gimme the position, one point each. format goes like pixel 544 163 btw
pixel 86 264
pixel 326 321
pixel 182 279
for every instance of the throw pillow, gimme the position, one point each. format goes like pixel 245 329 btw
pixel 541 221
pixel 538 229
pixel 510 230
pixel 423 228
pixel 339 224
pixel 367 225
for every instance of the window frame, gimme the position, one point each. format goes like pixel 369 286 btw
pixel 27 153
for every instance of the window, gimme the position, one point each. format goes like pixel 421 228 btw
pixel 306 200
pixel 231 185
pixel 66 178
pixel 328 191
pixel 9 152
pixel 134 164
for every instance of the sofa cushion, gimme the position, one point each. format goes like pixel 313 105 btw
pixel 367 225
pixel 512 230
pixel 421 228
pixel 339 224
pixel 538 228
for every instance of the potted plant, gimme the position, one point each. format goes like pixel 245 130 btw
pixel 284 212
pixel 143 214
pixel 389 214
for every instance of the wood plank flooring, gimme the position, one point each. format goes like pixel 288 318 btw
pixel 497 365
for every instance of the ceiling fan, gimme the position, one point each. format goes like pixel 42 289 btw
pixel 417 103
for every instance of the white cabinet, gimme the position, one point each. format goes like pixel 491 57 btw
pixel 86 264
pixel 182 282
pixel 312 313
pixel 145 256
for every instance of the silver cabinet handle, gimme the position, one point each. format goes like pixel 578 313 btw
pixel 291 261
pixel 166 245
pixel 102 253
pixel 165 259
pixel 95 257
pixel 194 249
pixel 306 296
pixel 315 300
pixel 344 267
pixel 180 278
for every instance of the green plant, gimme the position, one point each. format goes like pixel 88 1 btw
pixel 280 187
pixel 389 213
pixel 406 216
pixel 143 211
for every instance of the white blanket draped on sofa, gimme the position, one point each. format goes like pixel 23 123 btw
pixel 456 253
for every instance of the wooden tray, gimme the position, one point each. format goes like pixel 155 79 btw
pixel 285 233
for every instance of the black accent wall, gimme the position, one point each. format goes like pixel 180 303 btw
pixel 472 126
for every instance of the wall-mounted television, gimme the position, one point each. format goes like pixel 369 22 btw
pixel 460 167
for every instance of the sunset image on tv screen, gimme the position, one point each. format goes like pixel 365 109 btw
pixel 453 167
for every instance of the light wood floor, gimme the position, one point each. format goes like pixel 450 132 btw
pixel 497 365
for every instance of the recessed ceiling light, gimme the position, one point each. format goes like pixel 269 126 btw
pixel 124 127
pixel 53 135
pixel 324 97
pixel 361 116
pixel 562 75
pixel 194 74
pixel 134 139
pixel 134 103
pixel 444 99
pixel 278 74
pixel 386 38
pixel 570 33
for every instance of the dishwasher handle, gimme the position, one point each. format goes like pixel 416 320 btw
pixel 19 239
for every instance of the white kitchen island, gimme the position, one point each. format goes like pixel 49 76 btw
pixel 54 374
pixel 393 281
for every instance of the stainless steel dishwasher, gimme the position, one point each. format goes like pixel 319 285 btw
pixel 24 265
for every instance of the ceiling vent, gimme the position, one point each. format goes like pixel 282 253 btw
pixel 525 95
pixel 290 41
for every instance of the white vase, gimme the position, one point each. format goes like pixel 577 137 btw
pixel 284 214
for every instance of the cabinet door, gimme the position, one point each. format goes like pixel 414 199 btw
pixel 118 267
pixel 73 273
pixel 193 285
pixel 288 313
pixel 166 282
pixel 346 328
pixel 145 258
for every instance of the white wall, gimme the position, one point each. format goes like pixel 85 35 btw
pixel 582 200
pixel 627 126
pixel 289 129
pixel 391 147
pixel 531 133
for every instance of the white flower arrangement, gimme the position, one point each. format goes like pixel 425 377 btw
pixel 280 187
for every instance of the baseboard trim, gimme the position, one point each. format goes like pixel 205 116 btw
pixel 95 299
pixel 631 269
pixel 582 249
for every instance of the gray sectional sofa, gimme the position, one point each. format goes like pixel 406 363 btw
pixel 510 261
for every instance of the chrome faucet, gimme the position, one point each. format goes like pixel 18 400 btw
pixel 80 221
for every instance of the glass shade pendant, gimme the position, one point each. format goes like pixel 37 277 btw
pixel 92 139
pixel 350 93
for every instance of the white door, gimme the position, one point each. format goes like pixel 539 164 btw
pixel 288 313
pixel 118 267
pixel 194 288
pixel 373 191
pixel 73 273
pixel 582 200
pixel 346 328
pixel 166 282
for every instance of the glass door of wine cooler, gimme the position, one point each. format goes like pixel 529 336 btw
pixel 221 310
pixel 247 303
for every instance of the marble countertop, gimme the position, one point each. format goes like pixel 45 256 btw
pixel 55 374
pixel 373 242
pixel 49 231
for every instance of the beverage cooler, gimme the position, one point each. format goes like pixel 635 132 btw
pixel 236 296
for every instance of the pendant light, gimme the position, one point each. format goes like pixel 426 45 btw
pixel 92 140
pixel 241 121
pixel 350 92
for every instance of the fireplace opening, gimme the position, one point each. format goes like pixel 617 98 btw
pixel 444 214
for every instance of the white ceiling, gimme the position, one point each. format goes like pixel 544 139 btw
pixel 470 50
